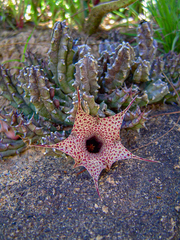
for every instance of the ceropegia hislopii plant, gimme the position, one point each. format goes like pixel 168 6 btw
pixel 45 99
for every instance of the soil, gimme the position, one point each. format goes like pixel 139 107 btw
pixel 12 45
pixel 43 197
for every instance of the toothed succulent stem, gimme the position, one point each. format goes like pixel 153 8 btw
pixel 61 57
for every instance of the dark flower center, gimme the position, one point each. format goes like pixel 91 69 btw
pixel 93 144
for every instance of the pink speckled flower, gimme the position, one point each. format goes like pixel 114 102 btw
pixel 95 142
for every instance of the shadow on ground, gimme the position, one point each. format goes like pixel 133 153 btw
pixel 42 197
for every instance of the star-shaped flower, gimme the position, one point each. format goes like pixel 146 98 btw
pixel 95 142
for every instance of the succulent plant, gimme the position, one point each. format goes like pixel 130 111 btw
pixel 95 142
pixel 98 11
pixel 44 95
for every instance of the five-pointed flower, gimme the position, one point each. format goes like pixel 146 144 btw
pixel 95 142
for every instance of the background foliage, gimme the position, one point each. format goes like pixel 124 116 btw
pixel 166 15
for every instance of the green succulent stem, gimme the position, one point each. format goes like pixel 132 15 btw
pixel 98 11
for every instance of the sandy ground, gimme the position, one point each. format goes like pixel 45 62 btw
pixel 12 44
